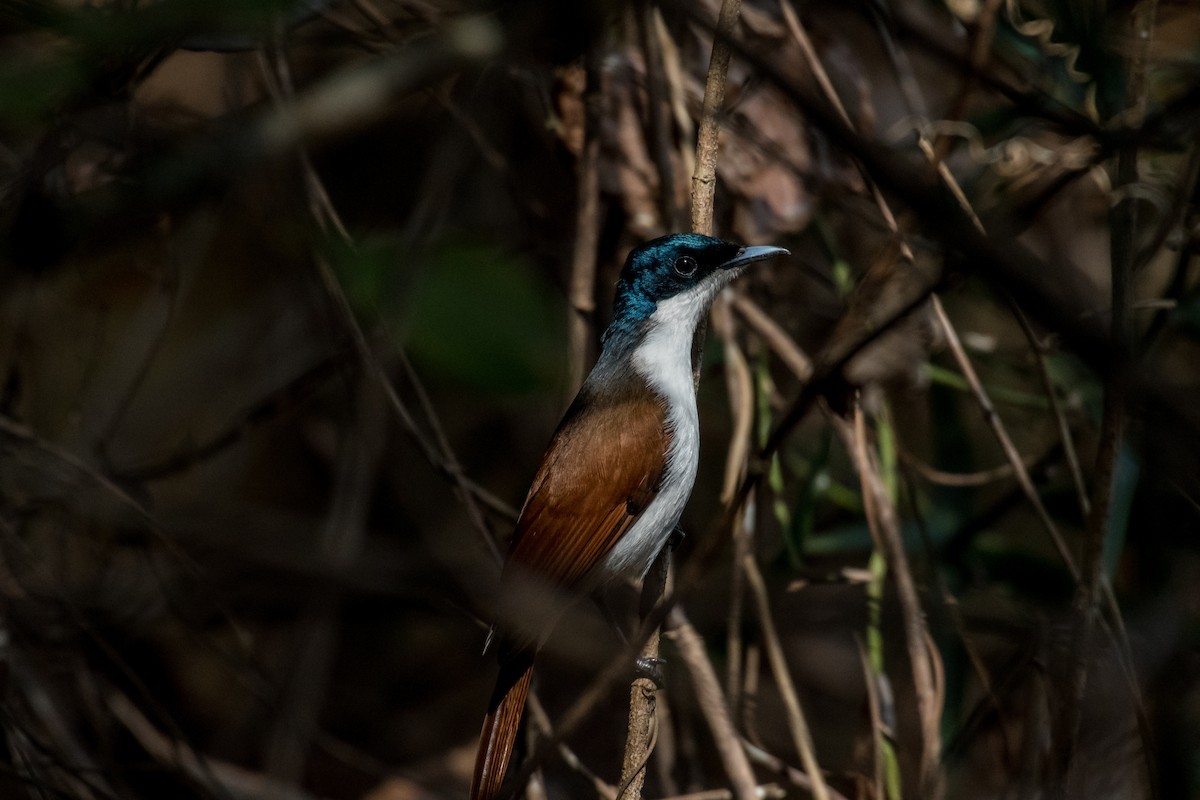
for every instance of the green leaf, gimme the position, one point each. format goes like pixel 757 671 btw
pixel 29 91
pixel 479 316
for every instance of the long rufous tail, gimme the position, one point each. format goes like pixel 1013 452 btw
pixel 500 726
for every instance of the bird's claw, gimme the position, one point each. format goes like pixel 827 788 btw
pixel 650 668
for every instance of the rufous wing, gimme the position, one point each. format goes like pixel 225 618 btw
pixel 601 471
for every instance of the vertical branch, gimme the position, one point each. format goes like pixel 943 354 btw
pixel 658 115
pixel 1123 238
pixel 884 525
pixel 641 705
pixel 587 233
pixel 704 179
pixel 713 706
pixel 797 723
pixel 642 722
pixel 739 383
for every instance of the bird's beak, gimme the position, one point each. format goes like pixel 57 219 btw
pixel 748 255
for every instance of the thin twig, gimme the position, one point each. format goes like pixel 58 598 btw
pixel 704 180
pixel 237 782
pixel 640 732
pixel 797 723
pixel 740 387
pixel 582 291
pixel 794 776
pixel 1123 233
pixel 713 705
pixel 978 478
pixel 775 336
pixel 638 743
pixel 884 524
pixel 877 730
pixel 538 715
pixel 742 547
pixel 1056 409
pixel 994 421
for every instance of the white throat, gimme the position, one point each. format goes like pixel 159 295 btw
pixel 664 359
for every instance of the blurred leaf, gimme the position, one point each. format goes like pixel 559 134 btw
pixel 473 314
pixel 843 278
pixel 764 387
pixel 1076 384
pixel 1125 483
pixel 1000 394
pixel 854 537
pixel 29 91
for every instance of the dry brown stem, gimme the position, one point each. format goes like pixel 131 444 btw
pixel 540 718
pixel 704 180
pixel 582 291
pixel 797 723
pixel 640 731
pixel 884 524
pixel 877 727
pixel 232 780
pixel 773 334
pixel 641 703
pixel 713 705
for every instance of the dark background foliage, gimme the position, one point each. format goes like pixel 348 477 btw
pixel 287 316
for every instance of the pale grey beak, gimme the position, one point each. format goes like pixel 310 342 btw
pixel 748 255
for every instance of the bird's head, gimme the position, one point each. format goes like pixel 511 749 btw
pixel 684 270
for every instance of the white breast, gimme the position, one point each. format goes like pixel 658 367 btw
pixel 664 359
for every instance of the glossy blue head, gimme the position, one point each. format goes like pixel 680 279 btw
pixel 683 265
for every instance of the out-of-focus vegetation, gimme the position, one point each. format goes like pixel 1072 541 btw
pixel 285 325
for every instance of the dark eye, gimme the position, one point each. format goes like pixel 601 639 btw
pixel 685 266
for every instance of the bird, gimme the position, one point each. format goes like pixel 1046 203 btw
pixel 617 472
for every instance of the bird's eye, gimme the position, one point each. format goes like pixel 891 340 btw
pixel 685 266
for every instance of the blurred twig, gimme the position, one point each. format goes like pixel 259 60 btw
pixel 643 723
pixel 775 336
pixel 658 112
pixel 315 641
pixel 881 514
pixel 638 742
pixel 539 716
pixel 234 781
pixel 713 705
pixel 206 163
pixel 587 231
pixel 704 180
pixel 438 453
pixel 797 724
pixel 274 405
pixel 794 776
pixel 879 732
pixel 884 525
pixel 1124 229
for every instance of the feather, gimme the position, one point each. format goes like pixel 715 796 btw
pixel 500 726
pixel 603 468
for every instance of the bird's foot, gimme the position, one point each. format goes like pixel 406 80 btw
pixel 650 668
